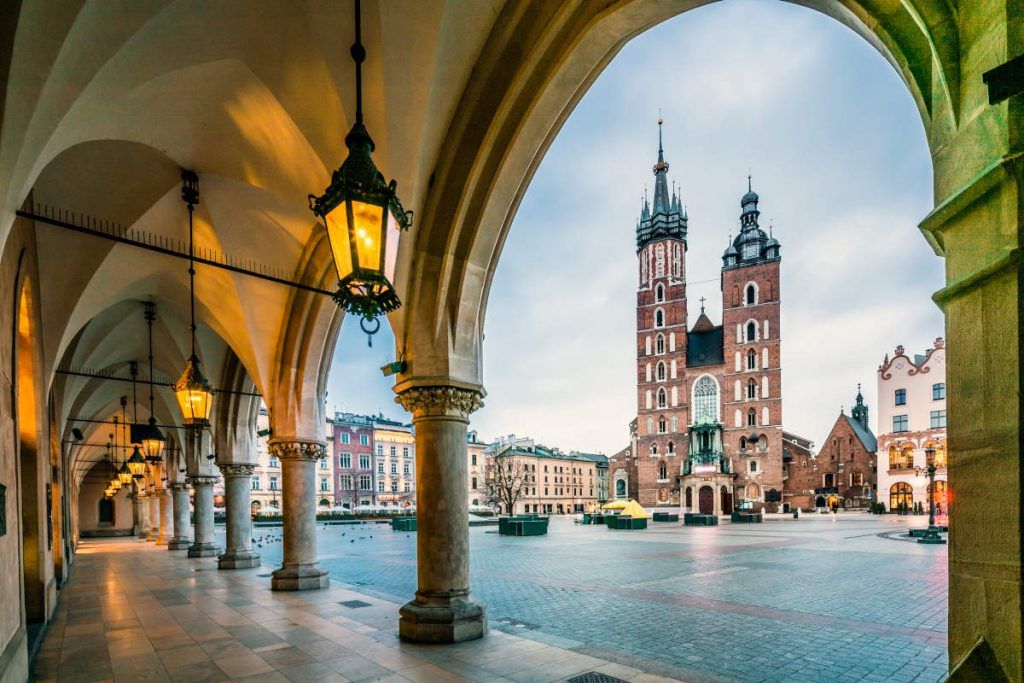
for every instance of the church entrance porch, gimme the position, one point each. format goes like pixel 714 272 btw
pixel 707 494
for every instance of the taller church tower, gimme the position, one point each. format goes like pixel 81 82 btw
pixel 661 327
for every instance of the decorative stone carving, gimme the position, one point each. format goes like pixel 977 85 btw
pixel 297 449
pixel 441 399
pixel 179 485
pixel 237 470
pixel 201 480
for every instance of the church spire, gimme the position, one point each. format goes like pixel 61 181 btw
pixel 860 411
pixel 662 217
pixel 661 204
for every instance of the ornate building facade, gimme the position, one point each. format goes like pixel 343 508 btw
pixel 709 397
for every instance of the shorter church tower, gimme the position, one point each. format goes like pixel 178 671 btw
pixel 752 386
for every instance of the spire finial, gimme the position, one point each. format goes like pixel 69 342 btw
pixel 749 186
pixel 702 300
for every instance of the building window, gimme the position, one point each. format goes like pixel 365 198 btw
pixel 380 449
pixel 751 360
pixel 659 344
pixel 654 449
pixel 899 423
pixel 938 419
pixel 938 392
pixel 405 469
pixel 408 487
pixel 751 418
pixel 661 425
pixel 394 487
pixel 344 437
pixel 273 483
pixel 394 467
pixel 380 486
pixel 274 462
pixel 751 389
pixel 856 479
pixel 659 318
pixel 345 460
pixel 662 400
pixel 325 485
pixel 255 483
pixel 661 371
pixel 345 482
pixel 751 331
pixel 474 483
pixel 364 439
pixel 364 482
pixel 753 465
pixel 659 292
pixel 901 397
pixel 671 450
pixel 323 463
pixel 705 399
pixel 393 451
pixel 380 467
pixel 364 461
pixel 405 451
pixel 662 471
pixel 751 297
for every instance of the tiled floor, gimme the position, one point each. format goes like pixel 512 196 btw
pixel 136 612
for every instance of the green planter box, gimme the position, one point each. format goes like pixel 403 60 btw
pixel 629 523
pixel 593 518
pixel 747 517
pixel 665 517
pixel 523 525
pixel 403 524
pixel 694 519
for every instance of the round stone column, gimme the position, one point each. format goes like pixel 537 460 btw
pixel 182 538
pixel 237 485
pixel 203 545
pixel 443 610
pixel 166 522
pixel 299 569
pixel 143 499
pixel 154 515
pixel 136 512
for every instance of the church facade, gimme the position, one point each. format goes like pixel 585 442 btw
pixel 708 432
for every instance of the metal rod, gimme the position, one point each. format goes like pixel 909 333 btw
pixel 358 53
pixel 108 422
pixel 121 239
pixel 97 375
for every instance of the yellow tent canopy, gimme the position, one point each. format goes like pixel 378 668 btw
pixel 633 509
pixel 614 505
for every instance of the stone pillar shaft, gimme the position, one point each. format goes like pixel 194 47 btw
pixel 143 515
pixel 203 545
pixel 182 538
pixel 164 497
pixel 239 553
pixel 299 569
pixel 136 513
pixel 443 610
pixel 154 516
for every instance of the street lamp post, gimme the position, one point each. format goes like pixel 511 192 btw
pixel 932 534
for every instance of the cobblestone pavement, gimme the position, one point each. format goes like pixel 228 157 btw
pixel 822 598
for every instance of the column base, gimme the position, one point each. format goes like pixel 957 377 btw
pixel 241 559
pixel 451 618
pixel 302 577
pixel 151 537
pixel 179 544
pixel 203 550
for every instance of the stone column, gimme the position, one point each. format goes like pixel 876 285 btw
pixel 203 546
pixel 136 513
pixel 166 523
pixel 237 486
pixel 299 570
pixel 154 516
pixel 443 611
pixel 182 539
pixel 143 515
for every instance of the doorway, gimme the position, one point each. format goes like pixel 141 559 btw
pixel 706 500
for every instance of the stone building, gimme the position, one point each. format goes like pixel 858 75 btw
pixel 102 109
pixel 797 453
pixel 394 463
pixel 912 419
pixel 475 458
pixel 842 474
pixel 709 397
pixel 556 483
pixel 353 460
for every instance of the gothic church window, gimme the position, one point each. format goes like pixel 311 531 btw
pixel 659 261
pixel 661 425
pixel 659 344
pixel 671 448
pixel 662 471
pixel 751 418
pixel 751 331
pixel 751 360
pixel 705 399
pixel 659 292
pixel 661 371
pixel 751 294
pixel 751 389
pixel 659 318
pixel 662 398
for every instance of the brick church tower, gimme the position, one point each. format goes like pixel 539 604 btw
pixel 661 340
pixel 752 390
pixel 709 411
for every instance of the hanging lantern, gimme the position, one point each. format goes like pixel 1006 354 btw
pixel 195 395
pixel 362 216
pixel 137 464
pixel 124 475
pixel 152 439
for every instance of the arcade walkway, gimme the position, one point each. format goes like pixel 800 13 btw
pixel 133 611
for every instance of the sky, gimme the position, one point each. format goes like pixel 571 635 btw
pixel 838 155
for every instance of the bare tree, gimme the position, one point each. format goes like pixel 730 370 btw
pixel 504 481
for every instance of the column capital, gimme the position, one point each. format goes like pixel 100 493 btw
pixel 237 470
pixel 201 480
pixel 441 399
pixel 294 448
pixel 179 485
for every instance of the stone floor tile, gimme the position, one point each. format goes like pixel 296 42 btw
pixel 355 667
pixel 312 673
pixel 286 657
pixel 182 656
pixel 240 666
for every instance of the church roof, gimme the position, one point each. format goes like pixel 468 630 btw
pixel 704 347
pixel 867 439
pixel 703 323
pixel 665 217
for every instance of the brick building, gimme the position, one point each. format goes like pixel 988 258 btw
pixel 842 474
pixel 709 397
pixel 352 449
